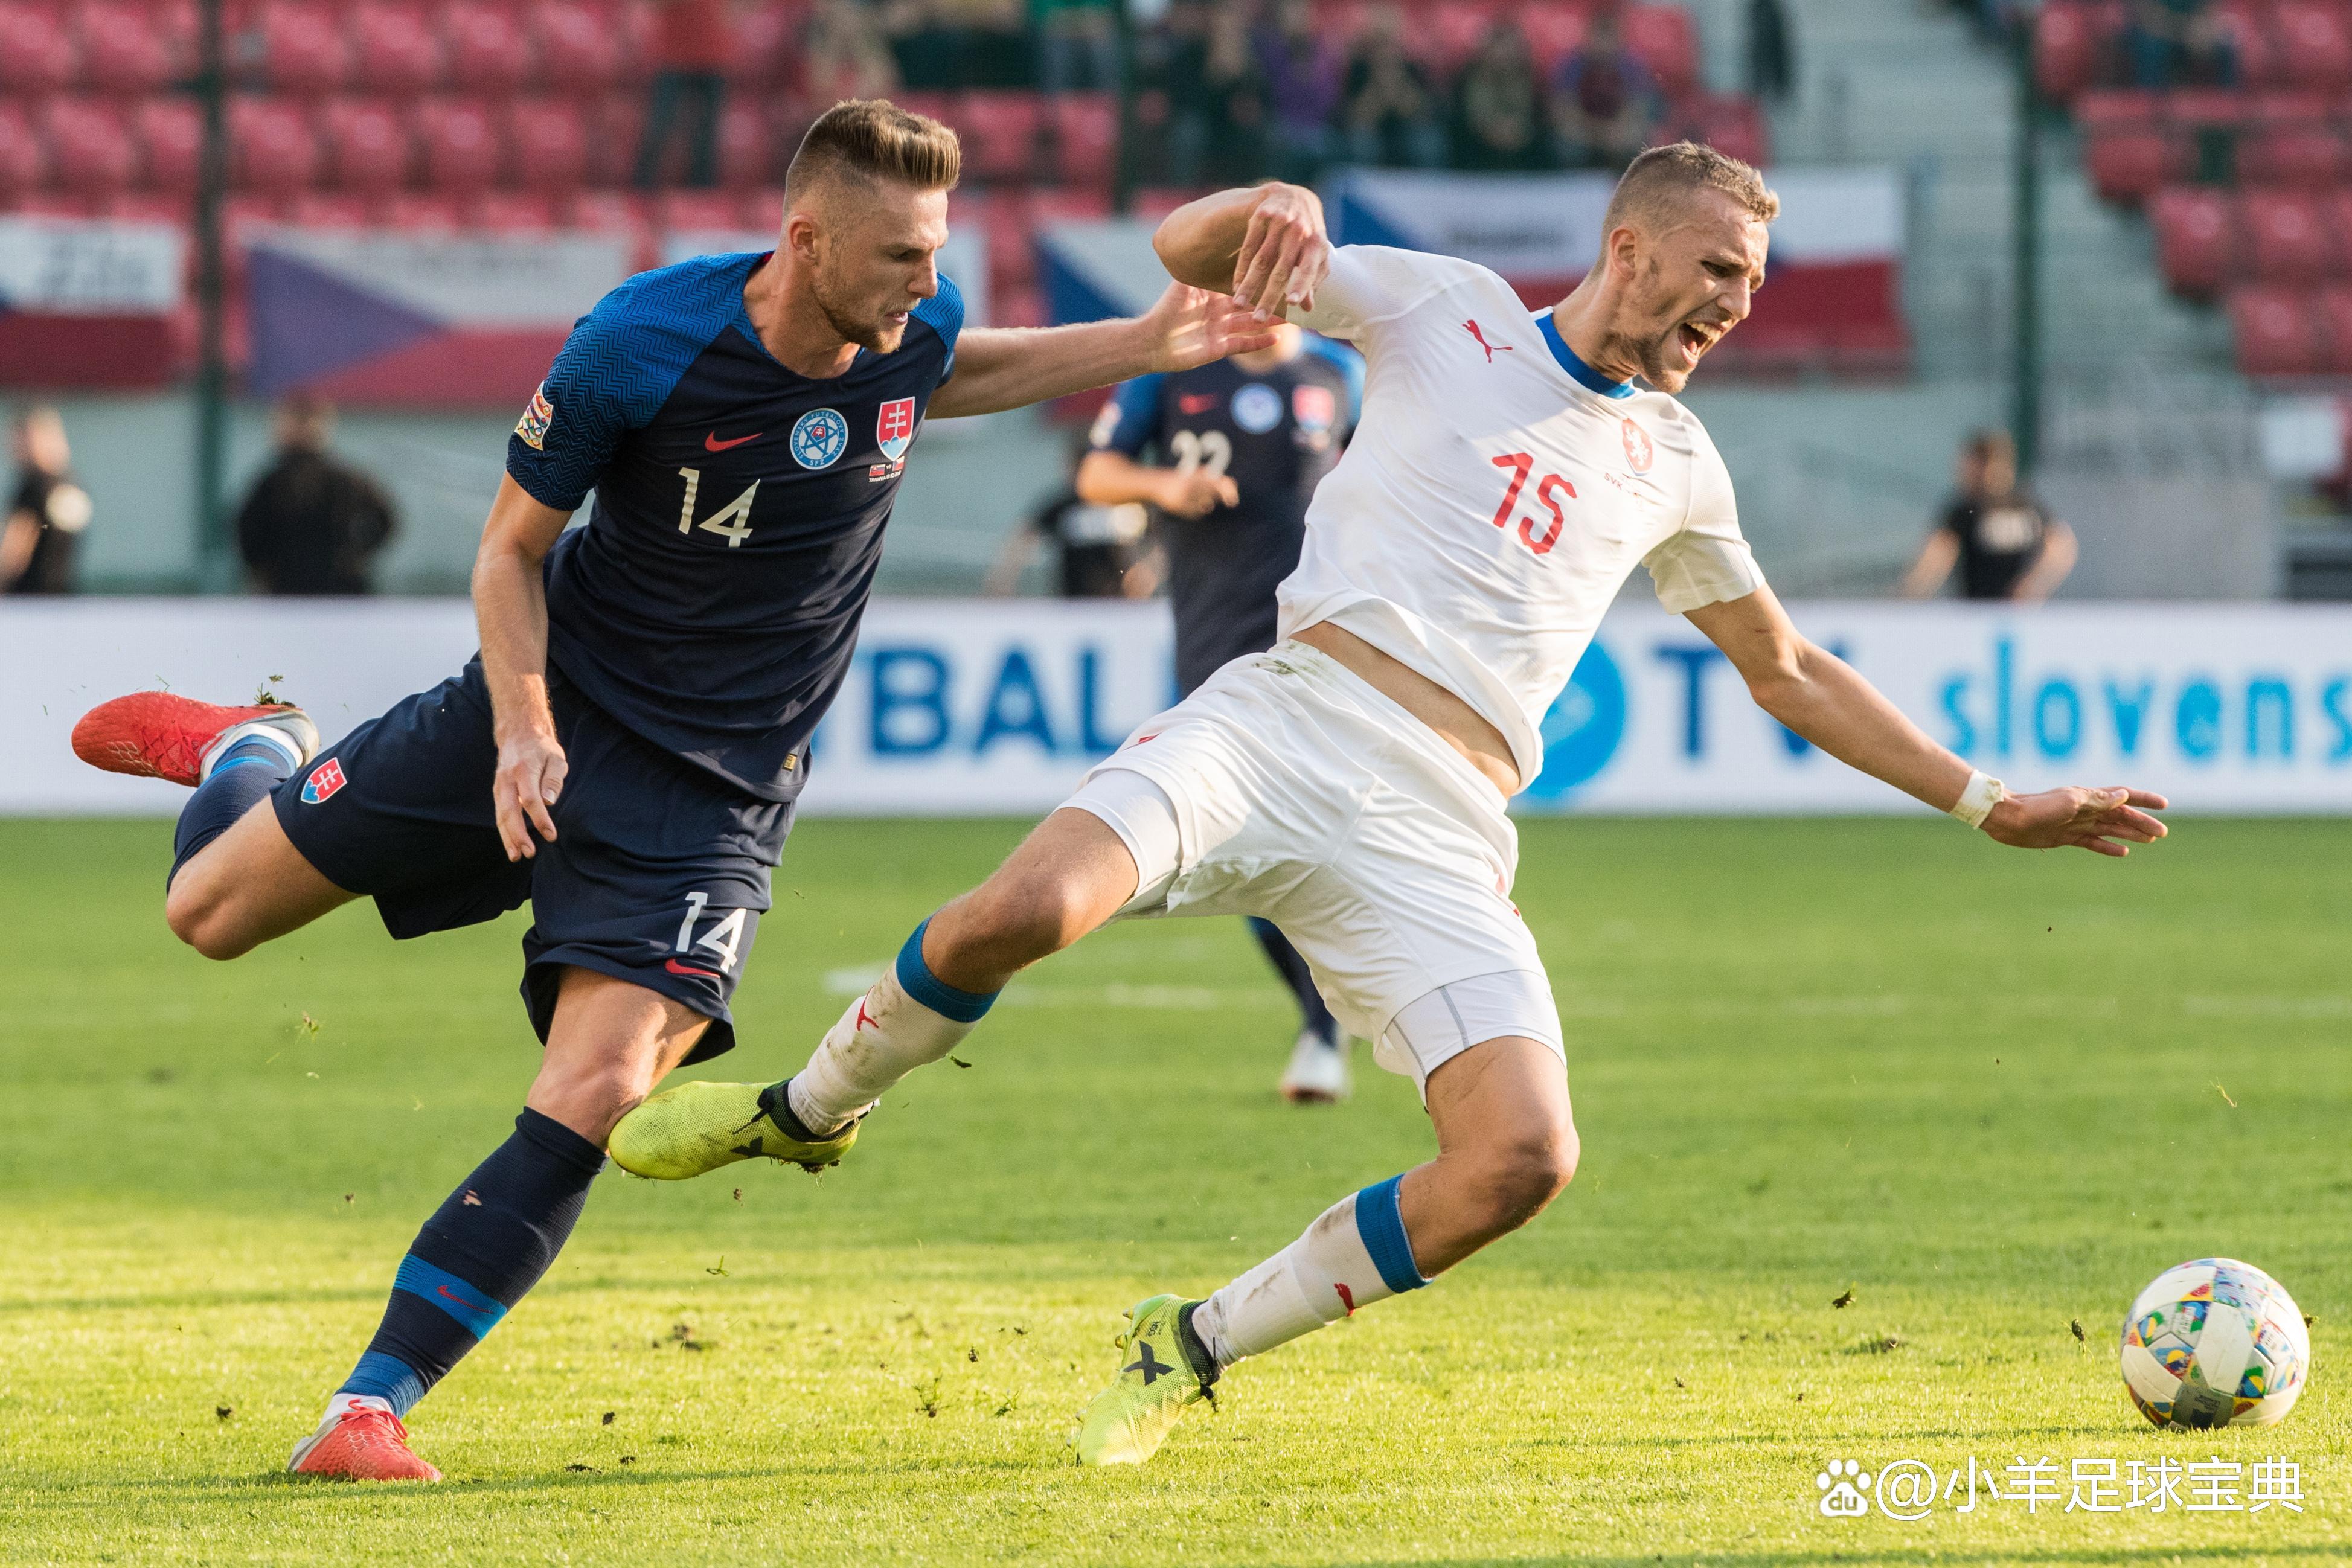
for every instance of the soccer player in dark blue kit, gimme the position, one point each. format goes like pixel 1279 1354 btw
pixel 626 750
pixel 1241 446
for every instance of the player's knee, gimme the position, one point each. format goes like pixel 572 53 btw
pixel 1526 1171
pixel 202 915
pixel 591 1097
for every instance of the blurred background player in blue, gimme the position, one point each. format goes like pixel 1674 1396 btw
pixel 1236 448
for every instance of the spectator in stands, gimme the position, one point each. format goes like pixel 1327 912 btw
pixel 312 525
pixel 50 512
pixel 1605 102
pixel 1498 106
pixel 2174 43
pixel 1238 99
pixel 693 42
pixel 1171 84
pixel 1389 109
pixel 1078 45
pixel 2006 544
pixel 1302 74
pixel 1104 552
pixel 843 55
pixel 1771 51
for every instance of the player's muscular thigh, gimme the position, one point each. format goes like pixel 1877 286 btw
pixel 1067 877
pixel 248 886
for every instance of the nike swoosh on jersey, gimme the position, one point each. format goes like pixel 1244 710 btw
pixel 712 443
pixel 675 968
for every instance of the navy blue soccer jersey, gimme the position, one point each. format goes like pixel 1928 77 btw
pixel 1275 433
pixel 711 603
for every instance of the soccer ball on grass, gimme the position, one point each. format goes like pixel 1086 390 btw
pixel 2215 1343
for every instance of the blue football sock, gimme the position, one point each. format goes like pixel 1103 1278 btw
pixel 246 772
pixel 1313 1016
pixel 478 1255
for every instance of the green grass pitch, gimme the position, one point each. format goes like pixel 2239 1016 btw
pixel 1989 1093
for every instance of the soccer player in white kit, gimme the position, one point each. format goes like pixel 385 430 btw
pixel 1350 783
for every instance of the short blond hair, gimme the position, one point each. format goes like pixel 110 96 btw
pixel 871 138
pixel 1663 173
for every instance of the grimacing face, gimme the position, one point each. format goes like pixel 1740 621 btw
pixel 1694 276
pixel 875 249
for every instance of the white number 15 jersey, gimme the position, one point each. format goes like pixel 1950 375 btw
pixel 1499 492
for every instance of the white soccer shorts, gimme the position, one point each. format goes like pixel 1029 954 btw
pixel 1288 788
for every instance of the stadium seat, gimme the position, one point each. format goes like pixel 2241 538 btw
pixel 1552 31
pixel 37 53
pixel 2067 45
pixel 2196 238
pixel 616 123
pixel 549 139
pixel 2262 61
pixel 368 145
pixel 1733 124
pixel 999 134
pixel 303 51
pixel 612 212
pixel 1663 36
pixel 1003 220
pixel 332 210
pixel 1085 138
pixel 393 50
pixel 746 145
pixel 2208 108
pixel 55 205
pixel 578 51
pixel 1448 33
pixel 1049 206
pixel 148 207
pixel 766 42
pixel 2314 43
pixel 2336 327
pixel 635 31
pixel 513 213
pixel 2308 156
pixel 459 145
pixel 1017 308
pixel 2286 238
pixel 171 136
pixel 273 151
pixel 1154 202
pixel 23 159
pixel 489 51
pixel 2276 333
pixel 2129 150
pixel 422 212
pixel 127 48
pixel 939 106
pixel 696 212
pixel 761 211
pixel 90 153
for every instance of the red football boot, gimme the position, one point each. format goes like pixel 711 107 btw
pixel 156 735
pixel 360 1442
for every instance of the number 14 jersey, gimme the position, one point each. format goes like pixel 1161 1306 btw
pixel 1499 492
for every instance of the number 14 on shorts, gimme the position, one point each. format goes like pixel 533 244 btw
pixel 720 939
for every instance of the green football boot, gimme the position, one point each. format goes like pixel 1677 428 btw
pixel 1128 1421
pixel 698 1127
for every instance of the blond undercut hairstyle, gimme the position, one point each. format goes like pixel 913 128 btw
pixel 1663 175
pixel 872 140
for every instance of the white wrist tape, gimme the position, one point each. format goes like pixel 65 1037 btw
pixel 1977 801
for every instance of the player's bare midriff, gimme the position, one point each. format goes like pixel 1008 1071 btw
pixel 1457 722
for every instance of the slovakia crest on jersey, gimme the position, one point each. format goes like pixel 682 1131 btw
pixel 1314 408
pixel 324 781
pixel 1639 452
pixel 895 430
pixel 819 438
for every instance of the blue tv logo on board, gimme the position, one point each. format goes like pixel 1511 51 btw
pixel 819 438
pixel 1584 727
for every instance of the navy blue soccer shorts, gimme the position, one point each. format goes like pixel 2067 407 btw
pixel 658 873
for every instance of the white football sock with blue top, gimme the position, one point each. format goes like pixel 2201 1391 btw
pixel 1354 1254
pixel 908 1019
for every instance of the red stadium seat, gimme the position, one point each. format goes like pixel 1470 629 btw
pixel 422 212
pixel 513 213
pixel 332 210
pixel 695 212
pixel 999 134
pixel 578 49
pixel 129 48
pixel 91 153
pixel 273 151
pixel 2276 333
pixel 616 123
pixel 368 145
pixel 171 136
pixel 1734 125
pixel 37 53
pixel 766 39
pixel 2310 157
pixel 939 106
pixel 2286 238
pixel 24 161
pixel 393 52
pixel 2129 150
pixel 1011 307
pixel 148 207
pixel 55 204
pixel 1066 207
pixel 747 149
pixel 762 211
pixel 2336 327
pixel 1446 34
pixel 1004 220
pixel 1663 36
pixel 1154 202
pixel 459 145
pixel 2196 238
pixel 490 53
pixel 549 137
pixel 1552 31
pixel 2316 44
pixel 2215 107
pixel 1085 138
pixel 303 48
pixel 612 212
pixel 2067 49
pixel 2262 62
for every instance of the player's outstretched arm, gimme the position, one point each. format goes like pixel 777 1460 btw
pixel 1819 697
pixel 1114 479
pixel 997 369
pixel 1266 247
pixel 510 609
